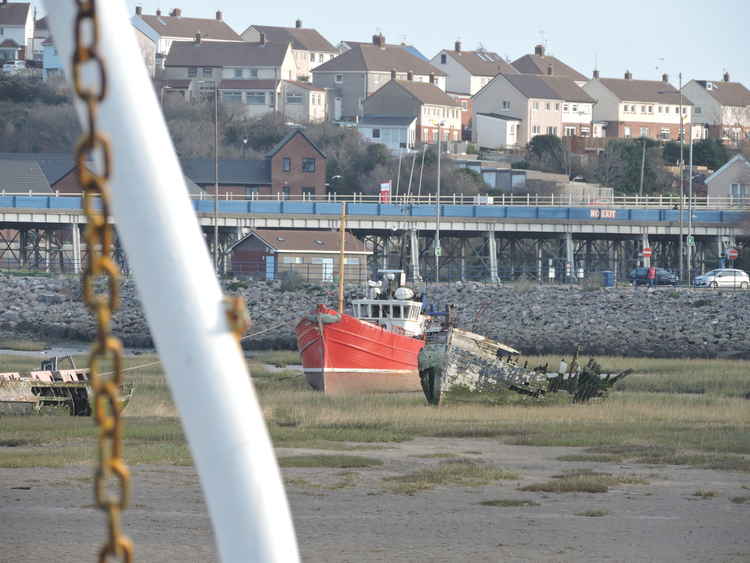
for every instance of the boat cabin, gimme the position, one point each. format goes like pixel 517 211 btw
pixel 397 315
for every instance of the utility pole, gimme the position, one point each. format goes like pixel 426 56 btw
pixel 682 182
pixel 691 241
pixel 643 167
pixel 438 250
pixel 216 178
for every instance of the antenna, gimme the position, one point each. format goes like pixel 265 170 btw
pixel 659 63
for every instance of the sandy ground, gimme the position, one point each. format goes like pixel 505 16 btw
pixel 47 515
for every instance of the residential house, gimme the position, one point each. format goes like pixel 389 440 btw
pixel 23 176
pixel 433 109
pixel 513 108
pixel 309 47
pixel 467 73
pixel 411 49
pixel 269 254
pixel 41 34
pixel 720 108
pixel 294 167
pixel 542 63
pixel 300 102
pixel 164 29
pixel 361 70
pixel 731 181
pixel 395 132
pixel 16 30
pixel 639 108
pixel 52 65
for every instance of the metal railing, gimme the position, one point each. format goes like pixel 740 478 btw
pixel 503 199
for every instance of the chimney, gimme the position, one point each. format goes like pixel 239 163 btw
pixel 432 78
pixel 393 74
pixel 410 75
pixel 198 37
pixel 596 74
pixel 177 12
pixel 378 40
pixel 665 77
pixel 549 70
pixel 219 15
pixel 298 23
pixel 539 50
pixel 158 12
pixel 262 39
pixel 726 77
pixel 138 10
pixel 628 75
pixel 457 47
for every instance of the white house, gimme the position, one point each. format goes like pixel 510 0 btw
pixel 731 181
pixel 721 108
pixel 16 30
pixel 469 71
pixel 397 133
pixel 300 102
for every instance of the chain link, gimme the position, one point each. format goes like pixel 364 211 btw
pixel 99 237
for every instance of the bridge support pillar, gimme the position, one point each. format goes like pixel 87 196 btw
pixel 569 257
pixel 462 256
pixel 539 261
pixel 76 242
pixel 645 244
pixel 492 250
pixel 414 251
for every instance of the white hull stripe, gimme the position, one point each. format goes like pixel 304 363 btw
pixel 346 370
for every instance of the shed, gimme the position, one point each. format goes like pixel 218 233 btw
pixel 268 254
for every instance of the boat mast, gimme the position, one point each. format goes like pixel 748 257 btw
pixel 342 243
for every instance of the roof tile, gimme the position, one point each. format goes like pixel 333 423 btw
pixel 174 26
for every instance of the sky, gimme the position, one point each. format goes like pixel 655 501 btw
pixel 648 37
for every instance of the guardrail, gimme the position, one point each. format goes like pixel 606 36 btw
pixel 526 200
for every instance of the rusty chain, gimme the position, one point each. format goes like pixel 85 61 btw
pixel 98 236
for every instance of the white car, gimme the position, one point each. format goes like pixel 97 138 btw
pixel 12 67
pixel 723 277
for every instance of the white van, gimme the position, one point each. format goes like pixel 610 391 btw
pixel 12 67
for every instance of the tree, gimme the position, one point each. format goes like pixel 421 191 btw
pixel 548 153
pixel 619 167
pixel 706 152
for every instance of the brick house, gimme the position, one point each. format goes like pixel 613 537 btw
pixel 268 254
pixel 309 47
pixel 639 108
pixel 423 101
pixel 720 108
pixel 542 63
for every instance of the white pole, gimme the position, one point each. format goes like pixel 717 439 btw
pixel 184 304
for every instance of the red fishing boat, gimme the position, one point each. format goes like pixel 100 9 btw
pixel 374 349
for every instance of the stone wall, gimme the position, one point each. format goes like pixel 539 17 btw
pixel 548 319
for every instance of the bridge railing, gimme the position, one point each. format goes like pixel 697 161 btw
pixel 527 200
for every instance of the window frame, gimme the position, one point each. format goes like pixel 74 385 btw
pixel 306 165
pixel 286 164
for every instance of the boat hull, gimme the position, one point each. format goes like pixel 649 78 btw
pixel 343 355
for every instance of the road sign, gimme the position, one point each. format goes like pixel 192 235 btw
pixel 691 240
pixel 646 252
pixel 438 251
pixel 732 253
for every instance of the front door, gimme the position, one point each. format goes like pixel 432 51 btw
pixel 270 267
pixel 327 274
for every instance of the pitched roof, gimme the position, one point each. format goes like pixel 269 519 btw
pixel 405 46
pixel 268 84
pixel 23 176
pixel 320 241
pixel 306 85
pixel 177 26
pixel 241 172
pixel 482 63
pixel 288 137
pixel 225 53
pixel 369 57
pixel 14 13
pixel 548 87
pixel 727 93
pixel 9 43
pixel 655 91
pixel 425 92
pixel 300 37
pixel 500 116
pixel 539 64
pixel 54 165
pixel 737 159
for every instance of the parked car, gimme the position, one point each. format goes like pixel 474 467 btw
pixel 663 277
pixel 723 277
pixel 12 67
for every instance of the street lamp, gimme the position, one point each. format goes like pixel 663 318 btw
pixel 438 250
pixel 682 178
pixel 216 170
pixel 244 147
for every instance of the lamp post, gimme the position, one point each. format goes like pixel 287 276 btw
pixel 216 170
pixel 438 250
pixel 690 240
pixel 682 181
pixel 244 147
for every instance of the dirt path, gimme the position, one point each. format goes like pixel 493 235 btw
pixel 344 516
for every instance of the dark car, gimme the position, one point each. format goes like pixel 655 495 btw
pixel 663 277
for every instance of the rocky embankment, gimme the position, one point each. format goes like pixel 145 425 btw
pixel 629 322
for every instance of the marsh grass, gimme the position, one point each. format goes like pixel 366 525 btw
pixel 508 503
pixel 335 461
pixel 23 345
pixel 593 513
pixel 701 493
pixel 600 458
pixel 443 455
pixel 583 481
pixel 740 500
pixel 280 358
pixel 645 422
pixel 463 473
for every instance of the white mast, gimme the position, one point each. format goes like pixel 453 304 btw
pixel 183 302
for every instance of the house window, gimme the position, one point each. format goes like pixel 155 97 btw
pixel 308 165
pixel 557 107
pixel 565 107
pixel 643 109
pixel 570 131
pixel 535 105
pixel 506 105
pixel 312 57
pixel 644 132
pixel 376 133
pixel 207 71
pixel 192 72
pixel 351 261
pixel 548 106
pixel 626 132
pixel 698 110
pixel 339 78
pixel 292 260
pixel 551 130
pixel 585 132
pixel 255 98
pixel 575 108
pixel 660 108
pixel 285 191
pixel 293 98
pixel 651 109
pixel 536 130
pixel 443 59
pixel 664 134
pixel 238 73
pixel 286 164
pixel 677 109
pixel 231 96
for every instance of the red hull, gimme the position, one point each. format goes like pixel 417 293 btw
pixel 341 354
